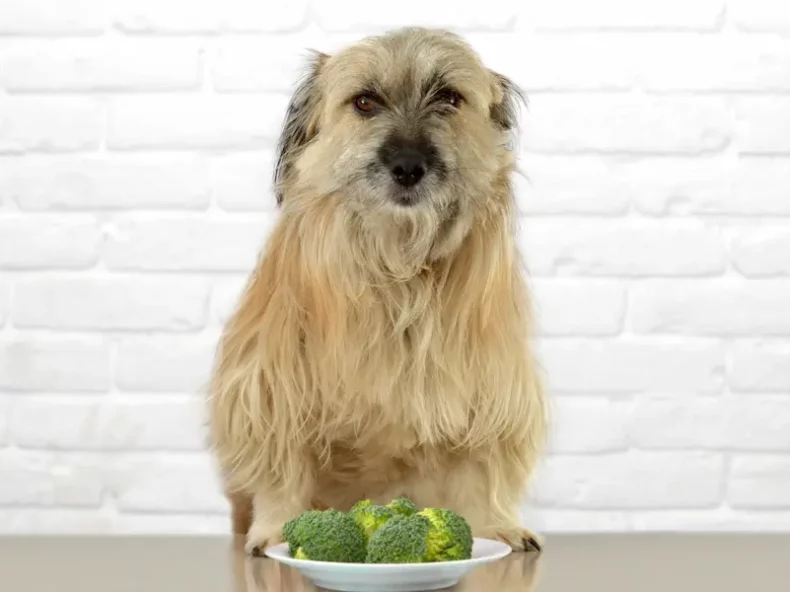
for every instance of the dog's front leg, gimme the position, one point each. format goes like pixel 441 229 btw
pixel 487 489
pixel 489 520
pixel 271 510
pixel 518 537
pixel 269 516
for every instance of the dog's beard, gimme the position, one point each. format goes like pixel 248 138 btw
pixel 393 239
pixel 399 238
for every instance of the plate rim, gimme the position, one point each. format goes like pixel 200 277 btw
pixel 504 551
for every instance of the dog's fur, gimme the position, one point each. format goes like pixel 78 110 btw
pixel 381 347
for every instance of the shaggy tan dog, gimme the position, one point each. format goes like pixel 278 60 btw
pixel 382 345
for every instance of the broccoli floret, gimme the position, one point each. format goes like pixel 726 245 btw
pixel 293 528
pixel 370 517
pixel 403 539
pixel 328 535
pixel 449 537
pixel 359 505
pixel 299 554
pixel 403 506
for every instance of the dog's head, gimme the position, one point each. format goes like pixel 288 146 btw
pixel 401 126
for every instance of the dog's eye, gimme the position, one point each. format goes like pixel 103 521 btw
pixel 450 97
pixel 365 104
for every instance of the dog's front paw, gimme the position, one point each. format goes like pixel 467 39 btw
pixel 520 539
pixel 261 536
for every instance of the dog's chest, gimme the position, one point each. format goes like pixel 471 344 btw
pixel 392 376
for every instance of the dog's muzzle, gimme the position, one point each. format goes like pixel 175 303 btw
pixel 408 161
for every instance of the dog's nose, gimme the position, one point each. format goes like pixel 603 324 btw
pixel 408 167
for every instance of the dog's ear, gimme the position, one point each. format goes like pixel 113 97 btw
pixel 301 122
pixel 507 97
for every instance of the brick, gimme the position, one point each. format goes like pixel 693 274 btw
pixel 171 483
pixel 749 422
pixel 207 16
pixel 617 123
pixel 265 63
pixel 760 15
pixel 762 252
pixel 54 521
pixel 700 15
pixel 5 415
pixel 38 243
pixel 106 183
pixel 610 367
pixel 579 307
pixel 164 364
pixel 244 182
pixel 595 248
pixel 195 121
pixel 540 63
pixel 142 423
pixel 596 186
pixel 703 63
pixel 724 307
pixel 186 244
pixel 28 364
pixel 345 15
pixel 171 524
pixel 49 479
pixel 680 422
pixel 631 480
pixel 52 17
pixel 5 301
pixel 137 304
pixel 760 482
pixel 226 296
pixel 49 124
pixel 101 65
pixel 763 125
pixel 589 425
pixel 748 187
pixel 659 62
pixel 759 186
pixel 575 521
pixel 760 423
pixel 760 367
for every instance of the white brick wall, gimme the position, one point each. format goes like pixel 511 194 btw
pixel 136 146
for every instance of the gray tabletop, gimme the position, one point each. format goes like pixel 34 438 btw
pixel 611 563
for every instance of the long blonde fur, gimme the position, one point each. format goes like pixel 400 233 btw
pixel 382 354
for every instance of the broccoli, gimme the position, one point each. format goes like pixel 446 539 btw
pixel 395 533
pixel 328 535
pixel 403 539
pixel 370 517
pixel 403 506
pixel 449 537
pixel 292 528
pixel 361 504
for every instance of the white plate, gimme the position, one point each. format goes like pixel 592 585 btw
pixel 403 577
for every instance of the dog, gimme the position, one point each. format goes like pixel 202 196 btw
pixel 381 347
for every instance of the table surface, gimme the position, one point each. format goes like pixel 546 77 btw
pixel 569 563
